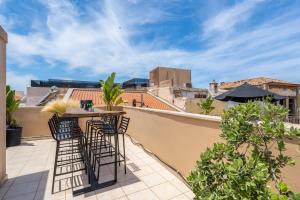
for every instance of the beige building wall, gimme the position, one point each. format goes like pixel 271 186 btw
pixel 178 77
pixel 33 121
pixel 192 107
pixel 165 93
pixel 3 41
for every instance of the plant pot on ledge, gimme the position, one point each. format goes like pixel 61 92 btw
pixel 13 136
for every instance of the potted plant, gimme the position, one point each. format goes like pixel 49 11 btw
pixel 13 130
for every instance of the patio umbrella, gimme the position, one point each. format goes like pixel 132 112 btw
pixel 246 92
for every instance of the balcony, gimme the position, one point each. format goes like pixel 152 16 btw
pixel 30 165
pixel 173 138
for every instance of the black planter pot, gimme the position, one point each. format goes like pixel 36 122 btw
pixel 13 136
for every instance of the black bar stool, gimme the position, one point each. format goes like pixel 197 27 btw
pixel 65 131
pixel 102 135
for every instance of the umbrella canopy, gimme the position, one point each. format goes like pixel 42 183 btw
pixel 246 92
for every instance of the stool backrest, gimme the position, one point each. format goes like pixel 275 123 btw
pixel 52 123
pixel 124 124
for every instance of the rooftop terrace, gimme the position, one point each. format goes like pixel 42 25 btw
pixel 30 166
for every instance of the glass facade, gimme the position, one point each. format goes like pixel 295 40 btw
pixel 136 82
pixel 65 83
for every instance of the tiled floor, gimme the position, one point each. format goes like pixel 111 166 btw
pixel 30 165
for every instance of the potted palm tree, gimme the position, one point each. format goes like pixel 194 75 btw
pixel 111 92
pixel 13 130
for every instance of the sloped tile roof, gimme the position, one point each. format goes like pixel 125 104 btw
pixel 94 95
pixel 257 81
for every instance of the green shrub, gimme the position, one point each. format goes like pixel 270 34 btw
pixel 244 165
pixel 206 105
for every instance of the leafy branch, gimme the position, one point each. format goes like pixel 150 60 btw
pixel 247 162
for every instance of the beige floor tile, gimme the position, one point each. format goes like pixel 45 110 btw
pixel 41 195
pixel 3 190
pixel 152 179
pixel 189 194
pixel 157 166
pixel 181 197
pixel 165 191
pixel 123 198
pixel 180 185
pixel 130 188
pixel 58 196
pixel 28 178
pixel 140 163
pixel 166 174
pixel 88 196
pixel 21 189
pixel 145 170
pixel 33 168
pixel 143 195
pixel 112 194
pixel 28 196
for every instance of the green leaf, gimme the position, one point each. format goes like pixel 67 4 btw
pixel 12 105
pixel 110 92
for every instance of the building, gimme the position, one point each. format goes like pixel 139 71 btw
pixel 65 83
pixel 135 83
pixel 174 77
pixel 175 86
pixel 287 89
pixel 43 91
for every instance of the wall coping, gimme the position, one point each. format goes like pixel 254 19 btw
pixel 180 114
pixel 3 34
pixel 30 107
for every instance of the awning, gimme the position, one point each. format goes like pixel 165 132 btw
pixel 246 92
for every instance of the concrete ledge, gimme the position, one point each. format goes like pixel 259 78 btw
pixel 33 121
pixel 181 114
pixel 3 34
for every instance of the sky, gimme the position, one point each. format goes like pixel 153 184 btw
pixel 225 40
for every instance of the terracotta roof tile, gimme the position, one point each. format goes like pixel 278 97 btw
pixel 93 94
pixel 256 81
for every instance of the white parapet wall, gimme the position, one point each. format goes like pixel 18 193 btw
pixel 33 121
pixel 179 138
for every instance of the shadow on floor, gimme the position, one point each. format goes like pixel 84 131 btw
pixel 25 187
pixel 80 179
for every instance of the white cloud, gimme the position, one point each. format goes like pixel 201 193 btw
pixel 227 19
pixel 18 81
pixel 104 43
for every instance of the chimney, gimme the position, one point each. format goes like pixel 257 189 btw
pixel 142 100
pixel 213 86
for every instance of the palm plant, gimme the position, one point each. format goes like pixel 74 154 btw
pixel 12 105
pixel 111 92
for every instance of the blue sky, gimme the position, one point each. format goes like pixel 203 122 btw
pixel 86 40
